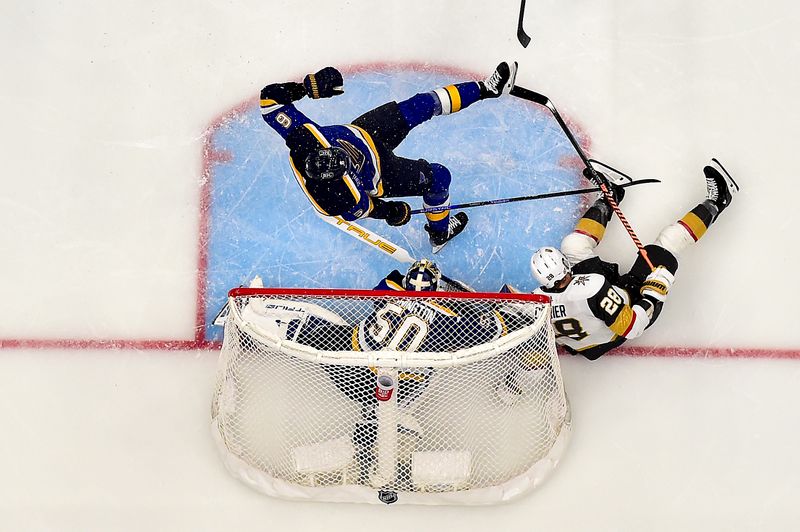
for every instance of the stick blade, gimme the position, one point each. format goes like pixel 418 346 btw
pixel 524 38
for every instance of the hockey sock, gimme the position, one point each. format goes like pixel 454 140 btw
pixel 593 223
pixel 698 220
pixel 438 195
pixel 689 229
pixel 443 101
pixel 454 98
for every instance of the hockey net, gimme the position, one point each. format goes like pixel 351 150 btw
pixel 416 397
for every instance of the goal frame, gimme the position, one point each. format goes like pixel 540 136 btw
pixel 387 359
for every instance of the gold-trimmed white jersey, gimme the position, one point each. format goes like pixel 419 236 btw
pixel 590 311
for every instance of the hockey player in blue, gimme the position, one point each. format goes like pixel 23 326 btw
pixel 441 327
pixel 348 170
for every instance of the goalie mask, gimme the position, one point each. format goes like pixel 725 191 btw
pixel 549 266
pixel 422 276
pixel 327 163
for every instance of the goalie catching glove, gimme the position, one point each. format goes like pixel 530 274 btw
pixel 326 83
pixel 395 213
pixel 657 284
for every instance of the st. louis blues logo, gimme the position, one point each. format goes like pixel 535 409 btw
pixel 356 157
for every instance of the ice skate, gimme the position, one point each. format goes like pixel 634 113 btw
pixel 720 185
pixel 438 239
pixel 500 81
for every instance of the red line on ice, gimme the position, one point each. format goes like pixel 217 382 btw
pixel 210 157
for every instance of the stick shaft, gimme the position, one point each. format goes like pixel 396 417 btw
pixel 546 195
pixel 541 99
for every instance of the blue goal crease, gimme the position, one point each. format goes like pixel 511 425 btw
pixel 261 223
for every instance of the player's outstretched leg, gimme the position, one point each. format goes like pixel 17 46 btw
pixel 720 186
pixel 501 81
pixel 444 101
pixel 720 189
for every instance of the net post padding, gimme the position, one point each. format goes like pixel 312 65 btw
pixel 478 424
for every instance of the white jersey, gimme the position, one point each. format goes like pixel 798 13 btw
pixel 590 312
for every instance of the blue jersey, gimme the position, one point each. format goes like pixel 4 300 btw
pixel 349 196
pixel 423 325
pixel 427 325
pixel 393 281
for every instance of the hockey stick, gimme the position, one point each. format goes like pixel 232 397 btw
pixel 523 37
pixel 527 198
pixel 373 240
pixel 594 175
pixel 370 238
pixel 382 244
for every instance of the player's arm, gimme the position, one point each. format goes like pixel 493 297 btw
pixel 277 98
pixel 393 281
pixel 362 201
pixel 395 213
pixel 630 321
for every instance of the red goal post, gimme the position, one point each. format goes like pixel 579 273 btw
pixel 414 397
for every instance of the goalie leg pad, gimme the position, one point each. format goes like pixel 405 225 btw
pixel 436 469
pixel 286 318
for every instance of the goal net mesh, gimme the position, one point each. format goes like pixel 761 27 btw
pixel 425 398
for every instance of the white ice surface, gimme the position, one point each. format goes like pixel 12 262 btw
pixel 105 108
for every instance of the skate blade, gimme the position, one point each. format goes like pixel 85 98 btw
pixel 437 249
pixel 727 176
pixel 512 66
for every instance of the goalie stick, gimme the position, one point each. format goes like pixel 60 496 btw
pixel 382 244
pixel 527 198
pixel 594 175
pixel 372 239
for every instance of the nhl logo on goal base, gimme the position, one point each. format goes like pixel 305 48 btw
pixel 387 497
pixel 406 402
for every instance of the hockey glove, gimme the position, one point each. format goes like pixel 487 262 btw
pixel 399 213
pixel 617 191
pixel 283 93
pixel 326 83
pixel 657 284
pixel 395 213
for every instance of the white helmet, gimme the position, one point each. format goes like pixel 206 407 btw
pixel 549 265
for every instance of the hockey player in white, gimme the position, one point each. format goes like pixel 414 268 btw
pixel 594 309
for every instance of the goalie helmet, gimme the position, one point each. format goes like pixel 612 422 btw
pixel 549 265
pixel 327 163
pixel 422 276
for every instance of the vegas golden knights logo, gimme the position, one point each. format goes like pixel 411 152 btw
pixel 356 157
